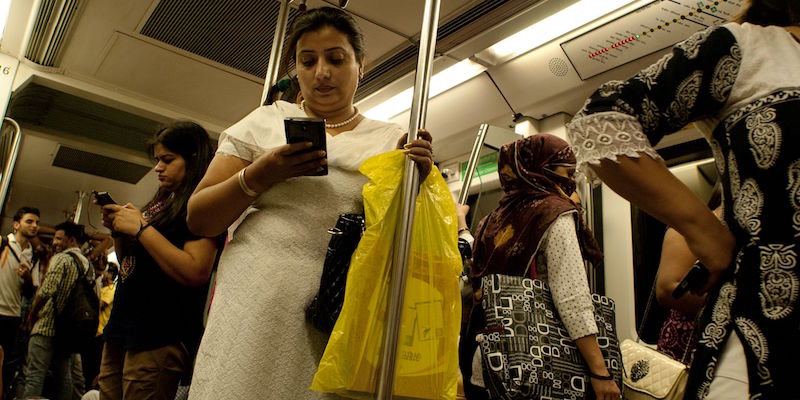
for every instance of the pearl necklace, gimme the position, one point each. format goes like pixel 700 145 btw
pixel 336 125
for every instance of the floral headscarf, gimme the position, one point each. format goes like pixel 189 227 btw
pixel 508 238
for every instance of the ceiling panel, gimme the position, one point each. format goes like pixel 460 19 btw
pixel 404 17
pixel 179 80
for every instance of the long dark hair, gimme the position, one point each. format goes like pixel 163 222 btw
pixel 318 18
pixel 191 142
pixel 771 12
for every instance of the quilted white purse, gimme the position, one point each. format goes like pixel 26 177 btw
pixel 650 375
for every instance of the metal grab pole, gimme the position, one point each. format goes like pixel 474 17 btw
pixel 277 49
pixel 473 163
pixel 402 244
pixel 8 169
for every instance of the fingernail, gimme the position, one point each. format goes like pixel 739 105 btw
pixel 406 151
pixel 407 146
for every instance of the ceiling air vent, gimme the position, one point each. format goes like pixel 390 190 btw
pixel 54 20
pixel 454 32
pixel 99 165
pixel 236 33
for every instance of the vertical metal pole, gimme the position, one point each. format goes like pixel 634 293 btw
pixel 8 169
pixel 402 245
pixel 277 49
pixel 79 207
pixel 472 163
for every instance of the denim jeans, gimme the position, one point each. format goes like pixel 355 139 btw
pixel 41 356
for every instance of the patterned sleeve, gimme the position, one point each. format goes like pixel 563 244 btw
pixel 627 118
pixel 54 275
pixel 566 277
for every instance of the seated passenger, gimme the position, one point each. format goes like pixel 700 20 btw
pixel 537 226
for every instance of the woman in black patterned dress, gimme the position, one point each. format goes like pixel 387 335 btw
pixel 743 81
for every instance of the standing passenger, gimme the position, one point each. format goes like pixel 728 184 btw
pixel 157 318
pixel 16 260
pixel 537 225
pixel 43 352
pixel 744 81
pixel 257 343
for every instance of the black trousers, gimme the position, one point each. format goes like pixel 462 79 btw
pixel 9 326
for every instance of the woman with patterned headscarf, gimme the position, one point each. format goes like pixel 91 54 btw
pixel 537 231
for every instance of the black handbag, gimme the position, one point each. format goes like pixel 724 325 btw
pixel 327 304
pixel 526 350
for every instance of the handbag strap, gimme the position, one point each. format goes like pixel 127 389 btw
pixel 650 299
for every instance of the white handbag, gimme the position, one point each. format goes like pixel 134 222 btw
pixel 649 374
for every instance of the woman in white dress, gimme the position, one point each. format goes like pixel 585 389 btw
pixel 257 343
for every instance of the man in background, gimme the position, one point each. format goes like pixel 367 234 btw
pixel 16 259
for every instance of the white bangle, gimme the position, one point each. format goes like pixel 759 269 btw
pixel 243 185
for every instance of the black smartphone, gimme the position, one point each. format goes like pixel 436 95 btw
pixel 103 198
pixel 693 281
pixel 307 130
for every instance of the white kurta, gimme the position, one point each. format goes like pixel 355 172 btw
pixel 257 343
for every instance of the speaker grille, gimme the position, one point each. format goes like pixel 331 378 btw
pixel 558 66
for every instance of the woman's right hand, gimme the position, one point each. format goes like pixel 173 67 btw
pixel 282 163
pixel 714 246
pixel 605 389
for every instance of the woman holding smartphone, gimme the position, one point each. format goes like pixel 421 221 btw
pixel 157 319
pixel 257 343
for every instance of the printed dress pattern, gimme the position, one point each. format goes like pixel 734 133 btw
pixel 757 151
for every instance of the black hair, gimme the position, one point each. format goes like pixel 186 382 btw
pixel 72 230
pixel 113 270
pixel 191 142
pixel 290 93
pixel 25 210
pixel 318 18
pixel 771 12
pixel 287 87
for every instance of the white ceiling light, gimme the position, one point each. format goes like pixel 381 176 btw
pixel 4 6
pixel 541 32
pixel 441 82
pixel 552 27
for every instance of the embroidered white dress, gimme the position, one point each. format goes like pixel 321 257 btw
pixel 257 344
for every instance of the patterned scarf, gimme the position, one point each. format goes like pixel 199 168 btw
pixel 508 238
pixel 128 264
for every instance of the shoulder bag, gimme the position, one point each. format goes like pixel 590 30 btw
pixel 650 374
pixel 526 350
pixel 327 304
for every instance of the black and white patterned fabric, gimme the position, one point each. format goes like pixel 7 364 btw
pixel 527 352
pixel 743 83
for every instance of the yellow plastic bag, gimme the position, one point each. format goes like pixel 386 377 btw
pixel 427 358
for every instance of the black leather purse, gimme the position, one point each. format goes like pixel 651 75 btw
pixel 327 304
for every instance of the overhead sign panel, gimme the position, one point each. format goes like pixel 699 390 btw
pixel 651 28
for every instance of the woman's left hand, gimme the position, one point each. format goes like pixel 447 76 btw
pixel 420 151
pixel 125 219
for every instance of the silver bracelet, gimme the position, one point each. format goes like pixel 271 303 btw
pixel 243 185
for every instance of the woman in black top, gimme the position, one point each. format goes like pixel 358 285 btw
pixel 157 319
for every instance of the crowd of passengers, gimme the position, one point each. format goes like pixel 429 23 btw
pixel 254 211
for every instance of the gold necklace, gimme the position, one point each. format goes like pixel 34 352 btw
pixel 336 125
